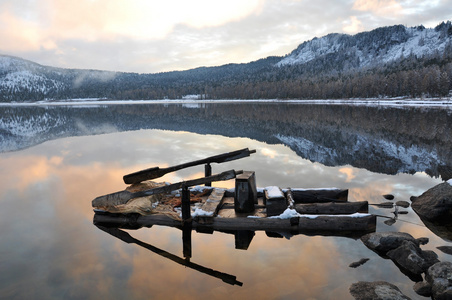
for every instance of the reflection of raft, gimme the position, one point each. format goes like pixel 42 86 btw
pixel 243 208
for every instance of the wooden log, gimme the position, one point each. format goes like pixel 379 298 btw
pixel 157 172
pixel 346 223
pixel 319 195
pixel 275 201
pixel 245 195
pixel 332 208
pixel 123 196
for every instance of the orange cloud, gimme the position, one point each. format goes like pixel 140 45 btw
pixel 379 7
pixel 353 25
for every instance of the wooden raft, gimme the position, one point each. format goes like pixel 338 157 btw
pixel 217 212
pixel 244 208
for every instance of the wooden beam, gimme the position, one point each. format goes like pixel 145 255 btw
pixel 301 224
pixel 332 208
pixel 211 206
pixel 319 195
pixel 245 195
pixel 123 197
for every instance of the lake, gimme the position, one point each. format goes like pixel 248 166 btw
pixel 56 159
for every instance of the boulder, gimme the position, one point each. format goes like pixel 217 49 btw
pixel 377 290
pixel 412 258
pixel 435 204
pixel 439 276
pixel 445 249
pixel 423 240
pixel 423 288
pixel 382 242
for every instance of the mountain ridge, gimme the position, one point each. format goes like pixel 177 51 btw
pixel 321 63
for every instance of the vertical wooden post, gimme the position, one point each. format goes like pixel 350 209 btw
pixel 245 192
pixel 208 172
pixel 186 240
pixel 186 212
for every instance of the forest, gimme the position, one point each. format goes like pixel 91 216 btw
pixel 351 67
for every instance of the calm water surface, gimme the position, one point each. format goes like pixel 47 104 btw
pixel 51 168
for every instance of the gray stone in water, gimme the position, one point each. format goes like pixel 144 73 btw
pixel 382 242
pixel 404 204
pixel 439 276
pixel 356 264
pixel 423 240
pixel 445 249
pixel 423 288
pixel 377 290
pixel 388 197
pixel 412 258
pixel 385 205
pixel 435 204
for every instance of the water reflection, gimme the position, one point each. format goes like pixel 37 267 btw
pixel 50 248
pixel 125 237
pixel 385 140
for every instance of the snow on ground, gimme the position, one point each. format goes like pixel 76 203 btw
pixel 397 102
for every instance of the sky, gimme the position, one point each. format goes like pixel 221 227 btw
pixel 157 36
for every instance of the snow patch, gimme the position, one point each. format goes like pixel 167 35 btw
pixel 199 212
pixel 273 192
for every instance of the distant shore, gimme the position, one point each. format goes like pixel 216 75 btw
pixel 404 102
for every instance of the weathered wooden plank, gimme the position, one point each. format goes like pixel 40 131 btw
pixel 157 172
pixel 319 195
pixel 245 195
pixel 275 201
pixel 332 208
pixel 124 196
pixel 211 206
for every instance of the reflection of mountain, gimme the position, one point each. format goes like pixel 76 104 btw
pixel 387 140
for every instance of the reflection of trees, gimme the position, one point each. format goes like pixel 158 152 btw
pixel 387 140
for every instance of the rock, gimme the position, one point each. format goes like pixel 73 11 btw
pixel 411 258
pixel 390 222
pixel 423 288
pixel 404 204
pixel 439 276
pixel 423 240
pixel 377 290
pixel 445 249
pixel 435 204
pixel 388 197
pixel 356 264
pixel 443 228
pixel 382 242
pixel 385 205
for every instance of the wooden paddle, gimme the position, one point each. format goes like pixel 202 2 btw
pixel 157 172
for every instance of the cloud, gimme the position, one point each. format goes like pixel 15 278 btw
pixel 353 25
pixel 378 7
pixel 153 36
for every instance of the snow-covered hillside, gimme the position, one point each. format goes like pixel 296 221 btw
pixel 379 46
pixel 312 71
